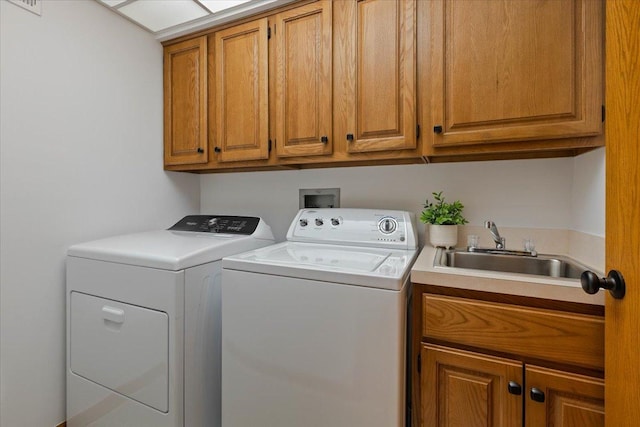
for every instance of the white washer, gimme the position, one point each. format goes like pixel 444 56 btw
pixel 143 323
pixel 314 328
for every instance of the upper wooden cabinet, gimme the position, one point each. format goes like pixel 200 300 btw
pixel 380 102
pixel 361 82
pixel 241 97
pixel 185 102
pixel 303 87
pixel 503 71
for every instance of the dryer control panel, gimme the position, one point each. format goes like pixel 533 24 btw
pixel 224 224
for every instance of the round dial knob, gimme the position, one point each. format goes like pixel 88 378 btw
pixel 335 222
pixel 213 225
pixel 303 222
pixel 387 225
pixel 319 222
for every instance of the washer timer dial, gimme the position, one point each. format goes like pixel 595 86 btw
pixel 387 225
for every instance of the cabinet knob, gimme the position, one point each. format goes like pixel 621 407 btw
pixel 514 388
pixel 437 129
pixel 537 395
pixel 614 282
pixel 350 137
pixel 324 139
pixel 217 149
pixel 200 150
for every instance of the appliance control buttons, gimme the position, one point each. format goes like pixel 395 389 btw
pixel 387 225
pixel 303 222
pixel 336 221
pixel 319 222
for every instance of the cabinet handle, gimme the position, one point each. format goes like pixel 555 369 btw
pixel 350 137
pixel 324 139
pixel 200 150
pixel 514 388
pixel 217 149
pixel 437 129
pixel 537 395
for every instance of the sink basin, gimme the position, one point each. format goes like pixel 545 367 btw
pixel 541 265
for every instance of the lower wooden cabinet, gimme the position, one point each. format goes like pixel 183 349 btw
pixel 489 360
pixel 467 389
pixel 564 399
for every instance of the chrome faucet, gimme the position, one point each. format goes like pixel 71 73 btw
pixel 500 241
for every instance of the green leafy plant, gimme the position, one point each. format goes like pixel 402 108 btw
pixel 441 212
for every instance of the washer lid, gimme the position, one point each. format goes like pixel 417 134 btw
pixel 170 250
pixel 353 265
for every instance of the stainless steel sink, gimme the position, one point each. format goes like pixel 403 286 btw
pixel 540 265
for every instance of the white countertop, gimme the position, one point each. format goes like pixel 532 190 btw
pixel 553 288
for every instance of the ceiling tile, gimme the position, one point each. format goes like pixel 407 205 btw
pixel 112 3
pixel 158 15
pixel 218 5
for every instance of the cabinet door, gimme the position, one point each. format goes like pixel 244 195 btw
pixel 566 400
pixel 185 102
pixel 303 80
pixel 461 388
pixel 508 70
pixel 381 100
pixel 242 108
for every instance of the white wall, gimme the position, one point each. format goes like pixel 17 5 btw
pixel 81 158
pixel 544 193
pixel 588 197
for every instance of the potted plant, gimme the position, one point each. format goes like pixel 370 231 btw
pixel 443 219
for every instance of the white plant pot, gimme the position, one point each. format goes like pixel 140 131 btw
pixel 443 236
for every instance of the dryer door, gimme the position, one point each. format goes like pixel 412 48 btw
pixel 122 347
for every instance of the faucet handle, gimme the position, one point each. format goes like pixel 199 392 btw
pixel 502 244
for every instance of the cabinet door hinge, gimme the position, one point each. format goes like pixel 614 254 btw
pixel 417 131
pixel 419 363
pixel 603 112
pixel 268 33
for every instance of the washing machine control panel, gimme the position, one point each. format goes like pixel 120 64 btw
pixel 223 224
pixel 368 227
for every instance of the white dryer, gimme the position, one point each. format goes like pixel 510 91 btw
pixel 143 323
pixel 314 328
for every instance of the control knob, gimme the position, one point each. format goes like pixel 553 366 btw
pixel 213 225
pixel 319 222
pixel 335 222
pixel 387 225
pixel 303 222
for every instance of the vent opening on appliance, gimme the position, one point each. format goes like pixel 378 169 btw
pixel 34 6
